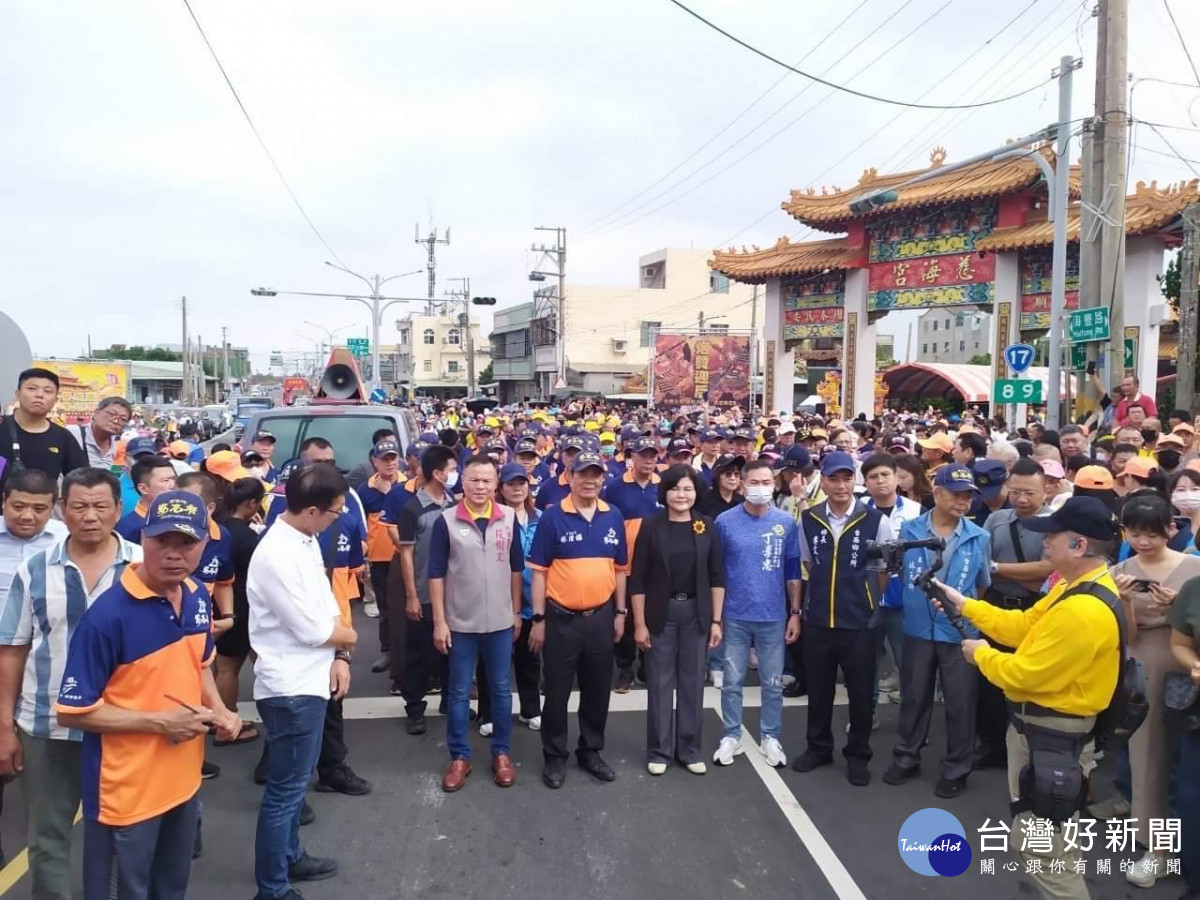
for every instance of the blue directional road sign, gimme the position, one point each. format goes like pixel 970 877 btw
pixel 1019 357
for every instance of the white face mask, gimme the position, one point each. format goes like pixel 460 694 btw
pixel 1186 501
pixel 452 480
pixel 256 471
pixel 759 494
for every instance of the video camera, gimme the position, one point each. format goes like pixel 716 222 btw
pixel 892 552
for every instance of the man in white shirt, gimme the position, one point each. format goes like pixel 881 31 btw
pixel 303 659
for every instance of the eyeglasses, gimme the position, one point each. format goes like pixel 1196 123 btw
pixel 115 415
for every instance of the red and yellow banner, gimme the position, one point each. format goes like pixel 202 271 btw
pixel 690 369
pixel 937 271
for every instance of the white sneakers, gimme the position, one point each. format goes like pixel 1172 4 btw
pixel 718 677
pixel 485 730
pixel 773 751
pixel 727 750
pixel 656 768
pixel 371 609
pixel 1146 871
pixel 697 768
pixel 535 724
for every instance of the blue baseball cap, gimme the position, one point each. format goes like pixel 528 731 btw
pixel 680 445
pixel 263 436
pixel 178 511
pixel 512 472
pixel 644 443
pixel 140 446
pixel 416 449
pixel 429 437
pixel 837 461
pixel 386 447
pixel 795 457
pixel 990 475
pixel 524 446
pixel 745 433
pixel 587 460
pixel 709 434
pixel 574 442
pixel 955 478
pixel 629 433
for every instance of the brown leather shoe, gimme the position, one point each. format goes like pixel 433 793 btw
pixel 504 770
pixel 456 775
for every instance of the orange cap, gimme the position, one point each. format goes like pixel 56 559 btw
pixel 227 465
pixel 178 448
pixel 1183 428
pixel 937 441
pixel 1096 478
pixel 1169 440
pixel 1141 466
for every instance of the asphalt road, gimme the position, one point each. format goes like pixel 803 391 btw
pixel 745 830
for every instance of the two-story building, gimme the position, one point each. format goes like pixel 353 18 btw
pixel 430 357
pixel 608 332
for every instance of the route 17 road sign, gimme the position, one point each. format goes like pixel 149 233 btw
pixel 1019 357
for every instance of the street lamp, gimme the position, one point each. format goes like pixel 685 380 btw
pixel 327 331
pixel 372 302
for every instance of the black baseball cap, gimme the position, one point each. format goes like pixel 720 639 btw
pixel 1083 515
pixel 728 461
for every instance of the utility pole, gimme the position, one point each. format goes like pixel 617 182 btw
pixel 559 255
pixel 1189 308
pixel 1094 194
pixel 430 241
pixel 198 370
pixel 465 324
pixel 1112 232
pixel 754 348
pixel 1058 272
pixel 183 371
pixel 225 358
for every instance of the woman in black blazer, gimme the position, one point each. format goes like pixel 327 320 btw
pixel 676 589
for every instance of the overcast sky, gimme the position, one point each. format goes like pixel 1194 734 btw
pixel 129 178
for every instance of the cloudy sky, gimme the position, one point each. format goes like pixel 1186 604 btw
pixel 129 178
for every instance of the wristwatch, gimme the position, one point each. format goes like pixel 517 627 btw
pixel 993 567
pixel 537 617
pixel 342 656
pixel 622 612
pixel 794 612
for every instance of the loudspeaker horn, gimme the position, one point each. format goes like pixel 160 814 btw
pixel 342 380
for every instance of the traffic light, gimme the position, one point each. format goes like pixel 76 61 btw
pixel 873 202
pixel 483 301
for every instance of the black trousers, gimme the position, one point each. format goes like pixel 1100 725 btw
pixel 577 646
pixel 421 660
pixel 333 740
pixel 397 621
pixel 528 668
pixel 921 662
pixel 379 582
pixel 852 650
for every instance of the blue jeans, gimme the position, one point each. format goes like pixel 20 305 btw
pixel 465 650
pixel 1188 799
pixel 293 727
pixel 892 631
pixel 152 858
pixel 767 638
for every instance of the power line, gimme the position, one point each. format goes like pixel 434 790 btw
pixel 616 224
pixel 843 88
pixel 1182 43
pixel 1180 156
pixel 261 142
pixel 820 42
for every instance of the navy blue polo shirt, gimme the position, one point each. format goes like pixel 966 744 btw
pixel 580 558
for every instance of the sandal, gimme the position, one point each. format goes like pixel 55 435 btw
pixel 242 737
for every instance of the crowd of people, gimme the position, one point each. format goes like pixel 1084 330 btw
pixel 998 572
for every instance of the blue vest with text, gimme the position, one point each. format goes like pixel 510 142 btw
pixel 841 591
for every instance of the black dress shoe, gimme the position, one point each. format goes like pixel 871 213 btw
pixel 209 770
pixel 382 664
pixel 807 761
pixel 307 816
pixel 795 689
pixel 595 766
pixel 342 780
pixel 311 868
pixel 857 773
pixel 624 681
pixel 416 725
pixel 290 894
pixel 949 788
pixel 899 774
pixel 554 773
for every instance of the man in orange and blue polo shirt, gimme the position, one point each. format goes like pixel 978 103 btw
pixel 138 683
pixel 385 460
pixel 579 561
